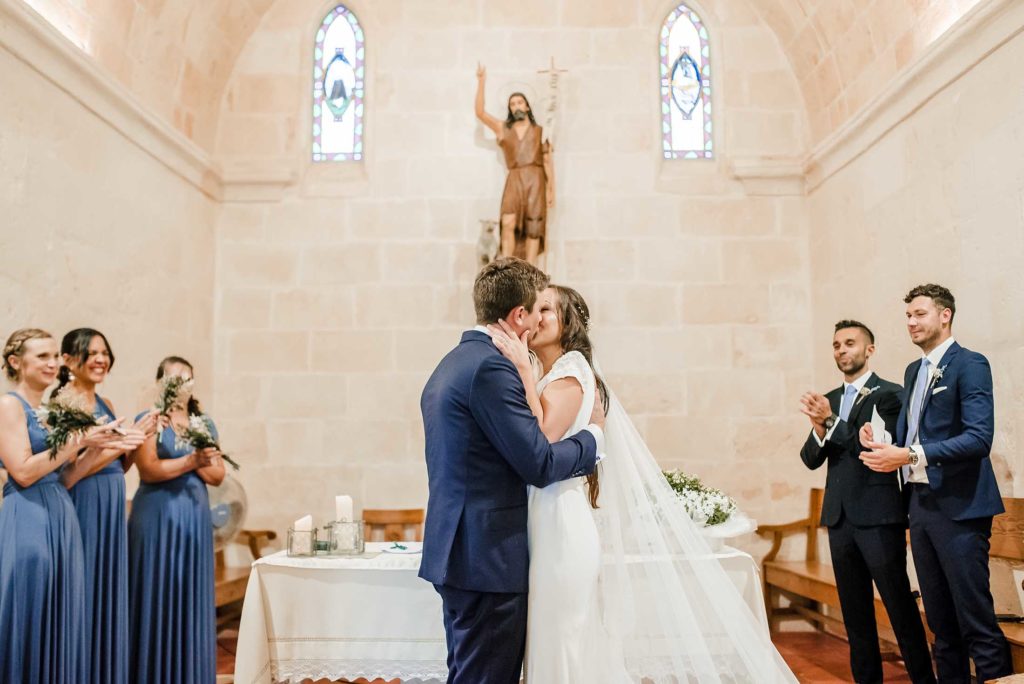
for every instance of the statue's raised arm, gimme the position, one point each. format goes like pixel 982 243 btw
pixel 481 113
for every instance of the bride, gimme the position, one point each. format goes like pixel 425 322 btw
pixel 623 586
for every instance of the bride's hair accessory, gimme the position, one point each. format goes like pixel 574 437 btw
pixel 583 316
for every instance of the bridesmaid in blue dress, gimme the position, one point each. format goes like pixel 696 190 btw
pixel 98 491
pixel 170 552
pixel 43 635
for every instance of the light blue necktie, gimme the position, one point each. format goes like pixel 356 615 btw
pixel 847 404
pixel 916 402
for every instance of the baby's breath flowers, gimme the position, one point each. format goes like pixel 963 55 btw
pixel 200 435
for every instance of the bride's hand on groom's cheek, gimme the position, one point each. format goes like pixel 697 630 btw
pixel 513 348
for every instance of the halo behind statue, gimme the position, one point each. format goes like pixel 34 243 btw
pixel 228 507
pixel 503 91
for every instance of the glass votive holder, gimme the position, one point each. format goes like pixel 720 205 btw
pixel 346 538
pixel 301 542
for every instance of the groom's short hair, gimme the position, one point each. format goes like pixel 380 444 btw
pixel 504 284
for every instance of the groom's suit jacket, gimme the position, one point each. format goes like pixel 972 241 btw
pixel 851 488
pixel 483 446
pixel 957 425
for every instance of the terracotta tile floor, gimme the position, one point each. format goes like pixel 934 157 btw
pixel 818 658
pixel 814 657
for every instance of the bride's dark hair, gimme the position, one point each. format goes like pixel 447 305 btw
pixel 574 317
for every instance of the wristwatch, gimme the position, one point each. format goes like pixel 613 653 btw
pixel 830 421
pixel 915 455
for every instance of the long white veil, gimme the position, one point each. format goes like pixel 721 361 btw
pixel 669 608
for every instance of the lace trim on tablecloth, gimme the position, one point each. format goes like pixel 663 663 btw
pixel 409 671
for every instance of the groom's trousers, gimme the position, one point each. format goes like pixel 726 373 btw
pixel 486 635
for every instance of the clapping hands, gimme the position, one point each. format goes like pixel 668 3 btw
pixel 816 407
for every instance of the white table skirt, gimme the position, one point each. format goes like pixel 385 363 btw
pixel 344 618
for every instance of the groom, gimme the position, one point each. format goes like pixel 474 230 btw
pixel 483 446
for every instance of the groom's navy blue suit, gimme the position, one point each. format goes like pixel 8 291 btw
pixel 951 515
pixel 483 446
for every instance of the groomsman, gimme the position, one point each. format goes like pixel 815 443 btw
pixel 863 510
pixel 943 441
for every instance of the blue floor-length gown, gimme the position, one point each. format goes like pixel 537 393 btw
pixel 170 561
pixel 43 639
pixel 100 502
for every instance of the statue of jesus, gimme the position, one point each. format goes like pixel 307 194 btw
pixel 530 185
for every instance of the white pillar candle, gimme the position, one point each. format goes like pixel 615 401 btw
pixel 301 537
pixel 343 508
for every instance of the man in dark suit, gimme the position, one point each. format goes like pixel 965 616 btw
pixel 483 446
pixel 863 510
pixel 943 443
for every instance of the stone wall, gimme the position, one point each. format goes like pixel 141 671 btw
pixel 339 292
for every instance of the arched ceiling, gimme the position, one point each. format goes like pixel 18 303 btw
pixel 844 52
pixel 176 55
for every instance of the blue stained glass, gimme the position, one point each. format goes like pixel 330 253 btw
pixel 685 76
pixel 338 88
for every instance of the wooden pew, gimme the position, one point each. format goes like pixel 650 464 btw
pixel 230 581
pixel 1008 543
pixel 810 584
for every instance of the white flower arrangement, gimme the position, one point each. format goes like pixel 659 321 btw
pixel 706 505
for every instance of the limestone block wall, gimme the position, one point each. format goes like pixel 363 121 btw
pixel 96 232
pixel 338 291
pixel 938 198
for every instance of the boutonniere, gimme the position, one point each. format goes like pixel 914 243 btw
pixel 936 376
pixel 865 392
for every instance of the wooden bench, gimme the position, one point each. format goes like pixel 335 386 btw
pixel 394 525
pixel 230 581
pixel 810 585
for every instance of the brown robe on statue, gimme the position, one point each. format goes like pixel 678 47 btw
pixel 525 192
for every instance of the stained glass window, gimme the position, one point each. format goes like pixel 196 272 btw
pixel 339 73
pixel 685 86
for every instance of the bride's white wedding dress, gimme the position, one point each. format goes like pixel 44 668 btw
pixel 565 632
pixel 631 591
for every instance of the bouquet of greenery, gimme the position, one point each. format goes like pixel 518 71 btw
pixel 171 389
pixel 64 417
pixel 706 505
pixel 200 436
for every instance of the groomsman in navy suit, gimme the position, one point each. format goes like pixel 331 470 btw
pixel 943 443
pixel 863 510
pixel 483 446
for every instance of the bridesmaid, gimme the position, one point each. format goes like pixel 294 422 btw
pixel 170 552
pixel 43 635
pixel 98 492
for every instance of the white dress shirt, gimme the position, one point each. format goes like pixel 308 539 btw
pixel 918 474
pixel 593 428
pixel 859 384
